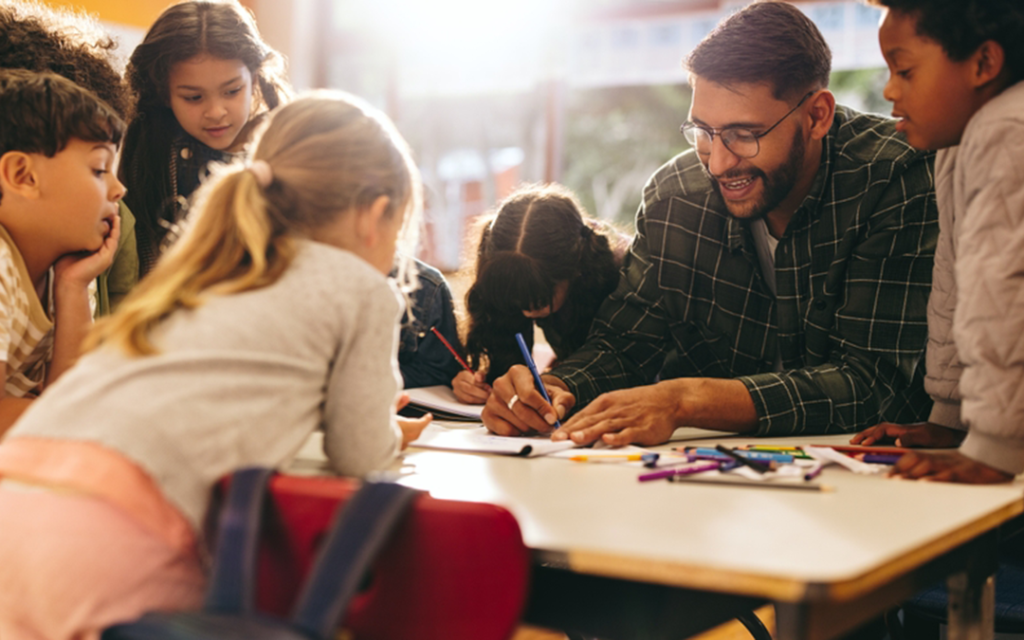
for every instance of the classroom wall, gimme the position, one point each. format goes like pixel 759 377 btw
pixel 283 24
pixel 133 13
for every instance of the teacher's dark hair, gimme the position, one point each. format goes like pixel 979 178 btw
pixel 766 42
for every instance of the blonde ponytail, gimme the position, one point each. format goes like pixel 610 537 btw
pixel 231 246
pixel 318 157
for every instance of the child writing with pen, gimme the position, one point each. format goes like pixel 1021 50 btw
pixel 541 260
pixel 957 84
pixel 242 341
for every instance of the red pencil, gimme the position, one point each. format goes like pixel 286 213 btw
pixel 452 349
pixel 851 448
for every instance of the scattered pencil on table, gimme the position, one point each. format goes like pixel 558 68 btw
pixel 757 465
pixel 850 448
pixel 879 458
pixel 685 470
pixel 797 486
pixel 449 346
pixel 617 457
pixel 815 471
pixel 706 453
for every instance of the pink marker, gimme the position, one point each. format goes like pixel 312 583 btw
pixel 695 467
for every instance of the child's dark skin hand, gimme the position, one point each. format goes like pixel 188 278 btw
pixel 925 435
pixel 946 467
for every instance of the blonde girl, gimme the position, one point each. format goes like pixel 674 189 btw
pixel 271 318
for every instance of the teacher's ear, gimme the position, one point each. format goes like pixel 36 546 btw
pixel 821 111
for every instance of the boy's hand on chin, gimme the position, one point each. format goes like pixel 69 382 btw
pixel 947 467
pixel 79 269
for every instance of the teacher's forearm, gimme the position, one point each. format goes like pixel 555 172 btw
pixel 715 403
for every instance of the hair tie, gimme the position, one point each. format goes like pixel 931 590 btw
pixel 262 171
pixel 586 231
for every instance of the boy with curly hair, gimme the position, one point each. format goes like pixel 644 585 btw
pixel 75 46
pixel 58 226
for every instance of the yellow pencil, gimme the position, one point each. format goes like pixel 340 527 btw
pixel 611 456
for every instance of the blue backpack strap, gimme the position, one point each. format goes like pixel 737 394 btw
pixel 359 532
pixel 233 582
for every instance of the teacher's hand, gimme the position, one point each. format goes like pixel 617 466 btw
pixel 515 406
pixel 643 415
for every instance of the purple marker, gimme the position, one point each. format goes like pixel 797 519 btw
pixel 696 467
pixel 882 458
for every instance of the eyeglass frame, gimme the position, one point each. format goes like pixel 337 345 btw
pixel 712 132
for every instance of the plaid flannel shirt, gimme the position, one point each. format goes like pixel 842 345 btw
pixel 853 274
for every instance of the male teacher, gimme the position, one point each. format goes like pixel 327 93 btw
pixel 779 276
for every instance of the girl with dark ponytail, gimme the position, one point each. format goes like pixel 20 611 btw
pixel 540 260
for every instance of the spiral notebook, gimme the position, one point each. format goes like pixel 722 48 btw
pixel 441 402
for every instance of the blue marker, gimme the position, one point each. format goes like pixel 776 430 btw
pixel 536 374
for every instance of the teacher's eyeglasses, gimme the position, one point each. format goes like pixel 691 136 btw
pixel 739 140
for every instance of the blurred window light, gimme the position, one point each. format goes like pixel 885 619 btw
pixel 626 38
pixel 829 16
pixel 867 16
pixel 667 35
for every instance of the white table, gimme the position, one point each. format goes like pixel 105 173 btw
pixel 829 561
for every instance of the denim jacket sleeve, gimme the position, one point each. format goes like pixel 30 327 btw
pixel 423 359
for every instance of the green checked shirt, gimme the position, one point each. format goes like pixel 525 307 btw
pixel 853 273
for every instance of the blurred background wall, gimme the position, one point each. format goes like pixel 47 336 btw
pixel 492 93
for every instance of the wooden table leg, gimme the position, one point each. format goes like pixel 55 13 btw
pixel 972 602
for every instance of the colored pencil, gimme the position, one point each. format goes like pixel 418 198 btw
pixel 636 457
pixel 756 465
pixel 698 467
pixel 451 348
pixel 849 448
pixel 803 486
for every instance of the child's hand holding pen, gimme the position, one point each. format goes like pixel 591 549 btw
pixel 471 387
pixel 516 407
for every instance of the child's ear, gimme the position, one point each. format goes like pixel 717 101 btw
pixel 370 218
pixel 18 175
pixel 987 63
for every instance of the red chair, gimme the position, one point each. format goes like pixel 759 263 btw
pixel 452 570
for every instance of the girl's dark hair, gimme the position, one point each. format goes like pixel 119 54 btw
pixel 72 45
pixel 540 236
pixel 224 30
pixel 961 26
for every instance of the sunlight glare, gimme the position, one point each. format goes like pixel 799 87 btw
pixel 441 43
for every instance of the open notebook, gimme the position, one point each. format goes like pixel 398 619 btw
pixel 480 440
pixel 441 402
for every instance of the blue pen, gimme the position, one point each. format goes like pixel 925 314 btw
pixel 536 374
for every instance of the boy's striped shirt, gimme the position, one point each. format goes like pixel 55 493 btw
pixel 26 332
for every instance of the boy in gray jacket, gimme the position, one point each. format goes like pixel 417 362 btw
pixel 957 84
